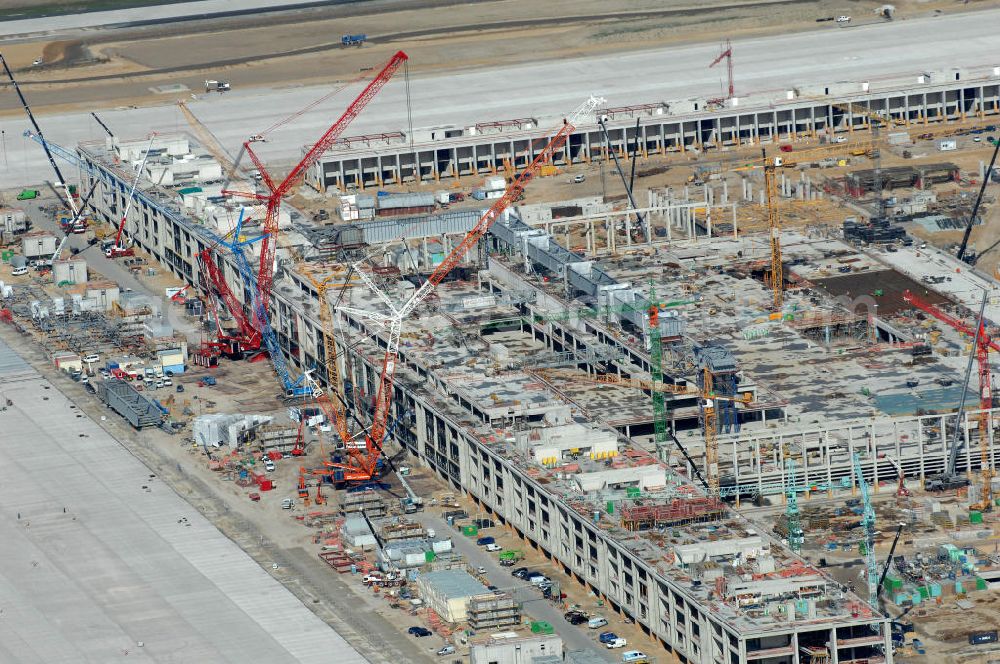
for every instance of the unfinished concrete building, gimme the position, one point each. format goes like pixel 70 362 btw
pixel 494 393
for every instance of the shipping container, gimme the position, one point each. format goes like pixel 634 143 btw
pixel 979 638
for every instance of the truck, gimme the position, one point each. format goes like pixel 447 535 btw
pixel 947 146
pixel 217 86
pixel 353 40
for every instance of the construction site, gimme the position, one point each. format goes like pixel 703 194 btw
pixel 705 379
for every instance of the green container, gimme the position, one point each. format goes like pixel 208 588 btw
pixel 610 507
pixel 429 556
pixel 924 592
pixel 541 627
pixel 980 584
pixel 470 531
pixel 975 517
pixel 633 492
pixel 893 583
pixel 6 255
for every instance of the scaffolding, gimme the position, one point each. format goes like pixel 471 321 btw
pixel 493 612
pixel 677 512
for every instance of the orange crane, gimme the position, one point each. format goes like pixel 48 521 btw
pixel 393 322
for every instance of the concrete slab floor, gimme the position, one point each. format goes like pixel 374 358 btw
pixel 103 560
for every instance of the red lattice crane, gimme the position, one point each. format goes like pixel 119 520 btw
pixel 983 345
pixel 393 322
pixel 247 338
pixel 278 190
pixel 727 54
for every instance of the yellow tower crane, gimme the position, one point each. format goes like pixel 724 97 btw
pixel 774 230
pixel 708 396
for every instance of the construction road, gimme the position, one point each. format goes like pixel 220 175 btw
pixel 539 608
pixel 765 67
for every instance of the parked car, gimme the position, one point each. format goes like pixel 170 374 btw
pixel 494 547
pixel 447 650
pixel 616 643
pixel 93 357
pixel 520 572
pixel 575 617
pixel 604 637
pixel 480 570
pixel 579 178
pixel 483 541
pixel 268 465
pixel 419 631
pixel 597 622
pixel 843 19
pixel 635 657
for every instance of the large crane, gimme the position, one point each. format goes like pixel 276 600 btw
pixel 60 180
pixel 393 322
pixel 118 249
pixel 727 55
pixel 796 535
pixel 982 343
pixel 868 531
pixel 292 387
pixel 278 190
pixel 774 230
pixel 971 259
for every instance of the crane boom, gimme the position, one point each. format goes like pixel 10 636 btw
pixel 265 275
pixel 60 180
pixel 975 208
pixel 103 126
pixel 383 399
pixel 118 247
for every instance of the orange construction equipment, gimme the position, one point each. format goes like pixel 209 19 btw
pixel 394 322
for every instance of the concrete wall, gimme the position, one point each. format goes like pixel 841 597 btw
pixel 516 651
pixel 688 129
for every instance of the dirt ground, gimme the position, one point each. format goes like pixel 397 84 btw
pixel 105 69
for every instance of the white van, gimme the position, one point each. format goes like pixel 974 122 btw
pixel 635 657
pixel 615 643
pixel 597 622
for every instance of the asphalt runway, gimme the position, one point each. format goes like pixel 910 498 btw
pixel 547 90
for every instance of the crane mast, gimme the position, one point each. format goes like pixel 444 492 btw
pixel 393 323
pixel 774 230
